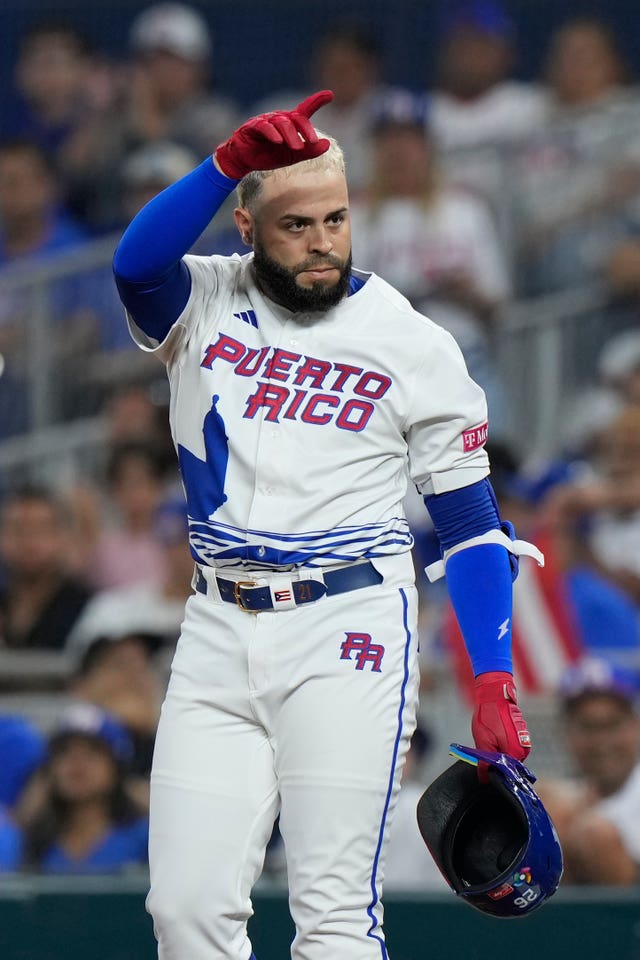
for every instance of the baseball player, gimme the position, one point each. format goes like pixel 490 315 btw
pixel 304 395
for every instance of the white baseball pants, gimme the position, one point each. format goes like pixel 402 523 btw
pixel 307 713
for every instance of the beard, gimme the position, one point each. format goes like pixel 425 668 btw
pixel 280 283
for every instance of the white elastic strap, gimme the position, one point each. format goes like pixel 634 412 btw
pixel 520 548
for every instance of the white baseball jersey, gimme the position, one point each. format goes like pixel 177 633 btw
pixel 294 432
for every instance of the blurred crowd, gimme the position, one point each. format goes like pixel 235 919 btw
pixel 481 190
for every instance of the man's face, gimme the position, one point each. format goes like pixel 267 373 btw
pixel 402 160
pixel 301 237
pixel 472 61
pixel 32 538
pixel 26 187
pixel 604 738
pixel 82 769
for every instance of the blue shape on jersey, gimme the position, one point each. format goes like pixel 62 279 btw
pixel 204 479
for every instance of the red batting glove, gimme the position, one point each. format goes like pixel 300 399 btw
pixel 497 722
pixel 273 140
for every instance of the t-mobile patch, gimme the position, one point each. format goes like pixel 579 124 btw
pixel 475 437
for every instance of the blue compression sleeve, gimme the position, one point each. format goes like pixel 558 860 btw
pixel 461 514
pixel 479 580
pixel 152 281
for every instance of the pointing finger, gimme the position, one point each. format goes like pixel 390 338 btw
pixel 314 102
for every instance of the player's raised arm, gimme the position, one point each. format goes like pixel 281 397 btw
pixel 152 281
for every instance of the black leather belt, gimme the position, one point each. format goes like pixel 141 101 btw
pixel 253 598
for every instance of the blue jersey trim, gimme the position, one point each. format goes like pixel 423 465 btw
pixel 217 543
pixel 355 284
pixel 405 679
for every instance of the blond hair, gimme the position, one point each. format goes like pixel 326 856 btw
pixel 250 187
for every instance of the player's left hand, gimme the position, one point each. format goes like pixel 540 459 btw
pixel 497 722
pixel 273 140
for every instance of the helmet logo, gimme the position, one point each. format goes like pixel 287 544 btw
pixel 522 876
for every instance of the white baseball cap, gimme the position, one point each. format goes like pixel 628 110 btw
pixel 160 162
pixel 173 27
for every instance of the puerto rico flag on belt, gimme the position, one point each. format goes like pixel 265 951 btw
pixel 545 635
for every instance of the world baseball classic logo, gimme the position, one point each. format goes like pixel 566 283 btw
pixel 364 649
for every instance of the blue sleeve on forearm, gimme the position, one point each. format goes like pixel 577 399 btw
pixel 479 580
pixel 152 282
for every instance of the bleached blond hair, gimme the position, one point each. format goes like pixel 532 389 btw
pixel 250 187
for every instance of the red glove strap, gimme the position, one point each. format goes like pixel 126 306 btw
pixel 273 140
pixel 497 722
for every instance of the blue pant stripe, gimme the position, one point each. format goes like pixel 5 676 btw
pixel 371 932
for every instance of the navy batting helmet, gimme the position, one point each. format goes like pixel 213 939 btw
pixel 494 843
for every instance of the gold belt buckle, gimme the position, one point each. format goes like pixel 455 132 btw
pixel 238 598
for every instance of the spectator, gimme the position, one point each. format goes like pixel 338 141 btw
pixel 40 600
pixel 347 60
pixel 596 812
pixel 585 419
pixel 85 821
pixel 475 102
pixel 155 609
pixel 116 672
pixel 165 95
pixel 604 511
pixel 575 182
pixel 126 550
pixel 134 414
pixel 57 79
pixel 32 221
pixel 33 225
pixel 173 49
pixel 437 244
pixel 585 68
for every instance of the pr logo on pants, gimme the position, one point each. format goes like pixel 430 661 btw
pixel 364 649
